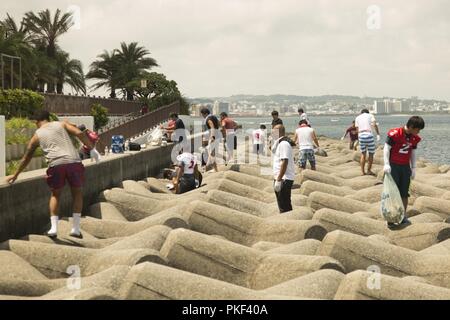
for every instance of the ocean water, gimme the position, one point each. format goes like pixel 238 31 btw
pixel 435 144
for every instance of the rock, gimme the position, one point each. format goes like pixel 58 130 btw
pixel 105 211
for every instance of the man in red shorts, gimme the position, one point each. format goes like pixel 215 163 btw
pixel 64 163
pixel 400 155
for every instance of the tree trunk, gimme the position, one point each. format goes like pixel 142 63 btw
pixel 130 95
pixel 59 88
pixel 112 95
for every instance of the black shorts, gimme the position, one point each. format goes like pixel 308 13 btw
pixel 402 177
pixel 186 184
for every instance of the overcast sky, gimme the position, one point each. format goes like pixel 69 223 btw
pixel 303 47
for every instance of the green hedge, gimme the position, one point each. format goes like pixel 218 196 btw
pixel 20 103
pixel 100 115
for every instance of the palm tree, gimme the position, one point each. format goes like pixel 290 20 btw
pixel 132 61
pixel 46 30
pixel 105 69
pixel 69 71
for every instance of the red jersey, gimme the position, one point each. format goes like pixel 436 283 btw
pixel 402 144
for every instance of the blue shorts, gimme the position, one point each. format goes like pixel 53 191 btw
pixel 306 155
pixel 367 143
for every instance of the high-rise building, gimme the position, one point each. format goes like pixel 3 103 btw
pixel 388 106
pixel 220 107
pixel 379 107
pixel 397 106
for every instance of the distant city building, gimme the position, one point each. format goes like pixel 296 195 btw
pixel 220 107
pixel 379 107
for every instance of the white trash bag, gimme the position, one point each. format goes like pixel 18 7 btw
pixel 392 208
pixel 155 137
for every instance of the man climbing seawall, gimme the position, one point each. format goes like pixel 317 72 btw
pixel 64 163
pixel 400 155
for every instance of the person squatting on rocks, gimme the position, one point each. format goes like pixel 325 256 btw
pixel 353 135
pixel 229 127
pixel 186 171
pixel 64 163
pixel 364 123
pixel 283 168
pixel 305 137
pixel 211 124
pixel 400 155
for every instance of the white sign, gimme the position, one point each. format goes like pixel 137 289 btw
pixel 2 147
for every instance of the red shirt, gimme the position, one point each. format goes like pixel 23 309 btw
pixel 352 132
pixel 228 123
pixel 93 137
pixel 401 144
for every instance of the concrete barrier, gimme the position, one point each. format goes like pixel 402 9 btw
pixel 21 215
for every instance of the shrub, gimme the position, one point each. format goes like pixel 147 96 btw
pixel 17 130
pixel 100 115
pixel 20 103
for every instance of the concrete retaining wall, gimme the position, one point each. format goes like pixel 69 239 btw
pixel 81 105
pixel 24 205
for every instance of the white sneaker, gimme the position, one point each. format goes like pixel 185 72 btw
pixel 76 233
pixel 52 233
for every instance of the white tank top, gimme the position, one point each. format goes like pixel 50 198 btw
pixel 56 144
pixel 305 138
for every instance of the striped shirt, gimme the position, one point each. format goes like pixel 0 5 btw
pixel 56 144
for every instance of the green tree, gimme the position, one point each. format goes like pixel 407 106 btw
pixel 45 30
pixel 105 70
pixel 132 61
pixel 69 71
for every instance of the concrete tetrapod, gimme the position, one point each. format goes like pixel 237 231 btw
pixel 54 260
pixel 357 252
pixel 111 278
pixel 364 285
pixel 136 207
pixel 440 248
pixel 237 264
pixel 112 229
pixel 253 193
pixel 357 183
pixel 310 186
pixel 105 211
pixel 247 229
pixel 322 284
pixel 416 236
pixel 318 200
pixel 150 281
pixel 440 207
pixel 13 267
pixel 253 207
pixel 68 294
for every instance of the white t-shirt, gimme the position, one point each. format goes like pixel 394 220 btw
pixel 303 116
pixel 305 138
pixel 364 122
pixel 188 161
pixel 258 136
pixel 283 151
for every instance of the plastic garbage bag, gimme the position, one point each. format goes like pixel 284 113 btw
pixel 155 137
pixel 392 208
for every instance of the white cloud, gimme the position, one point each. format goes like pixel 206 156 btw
pixel 223 47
